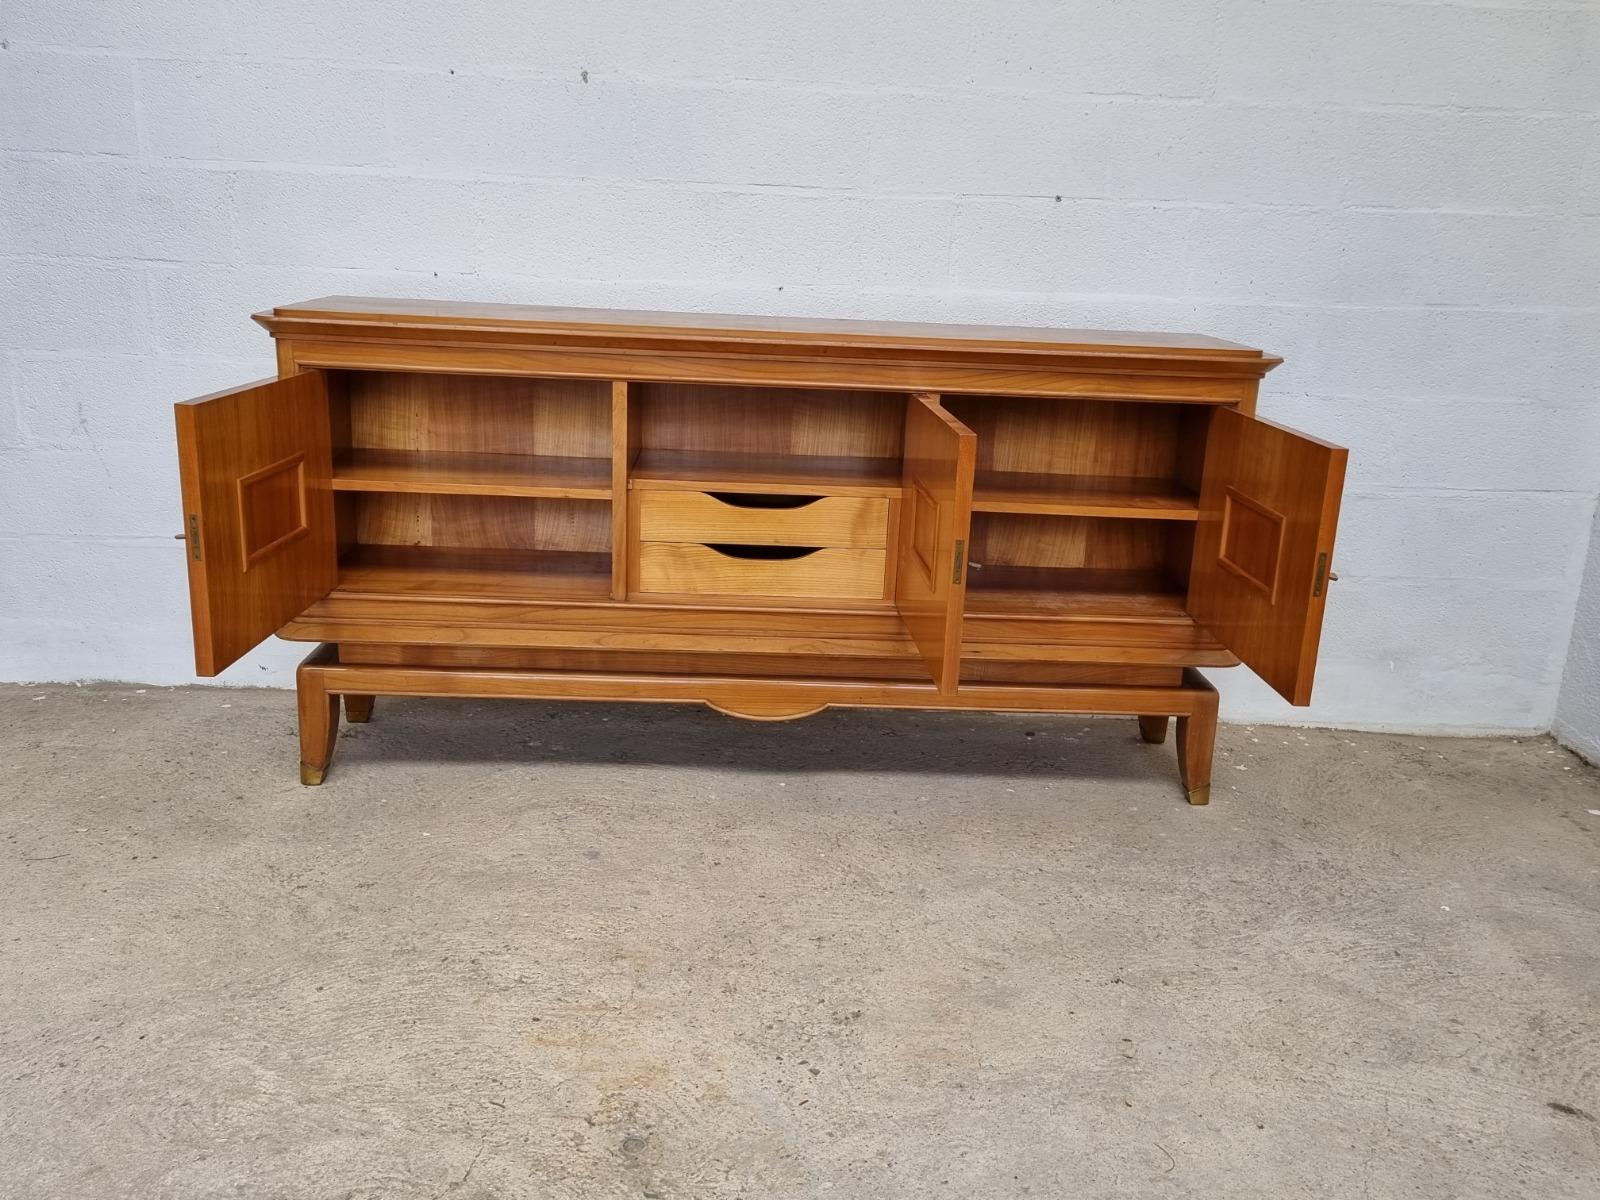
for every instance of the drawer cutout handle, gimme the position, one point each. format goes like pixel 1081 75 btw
pixel 760 500
pixel 767 553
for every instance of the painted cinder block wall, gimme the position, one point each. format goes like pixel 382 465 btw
pixel 1578 708
pixel 1402 198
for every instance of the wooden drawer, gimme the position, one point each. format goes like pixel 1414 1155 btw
pixel 859 521
pixel 735 570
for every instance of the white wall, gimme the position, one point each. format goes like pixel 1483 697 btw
pixel 1578 711
pixel 1401 198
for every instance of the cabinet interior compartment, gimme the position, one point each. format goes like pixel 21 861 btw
pixel 466 486
pixel 1021 563
pixel 1075 457
pixel 766 439
pixel 471 435
pixel 493 547
pixel 462 485
pixel 1082 507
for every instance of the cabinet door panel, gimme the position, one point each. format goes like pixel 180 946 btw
pixel 256 467
pixel 1269 508
pixel 935 521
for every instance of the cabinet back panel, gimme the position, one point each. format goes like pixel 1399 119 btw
pixel 1015 540
pixel 1073 437
pixel 482 522
pixel 1195 427
pixel 768 421
pixel 1180 554
pixel 477 414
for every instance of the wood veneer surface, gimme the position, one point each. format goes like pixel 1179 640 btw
pixel 611 321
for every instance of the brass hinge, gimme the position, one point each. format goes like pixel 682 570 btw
pixel 1322 575
pixel 960 560
pixel 194 535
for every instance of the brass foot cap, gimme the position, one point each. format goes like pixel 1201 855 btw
pixel 311 776
pixel 1198 796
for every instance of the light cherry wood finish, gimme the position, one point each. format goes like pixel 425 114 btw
pixel 1198 385
pixel 745 517
pixel 1083 496
pixel 319 715
pixel 711 470
pixel 615 630
pixel 532 575
pixel 1197 740
pixel 766 515
pixel 763 699
pixel 483 522
pixel 258 523
pixel 761 665
pixel 472 474
pixel 936 514
pixel 1264 546
pixel 701 349
pixel 449 413
pixel 730 569
pixel 624 446
pixel 764 424
pixel 613 327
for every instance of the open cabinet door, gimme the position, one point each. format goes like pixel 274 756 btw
pixel 935 519
pixel 257 467
pixel 1269 507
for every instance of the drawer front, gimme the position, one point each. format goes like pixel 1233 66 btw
pixel 732 570
pixel 860 521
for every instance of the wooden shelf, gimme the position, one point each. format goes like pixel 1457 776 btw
pixel 700 471
pixel 473 474
pixel 1083 496
pixel 480 574
pixel 1073 591
pixel 364 608
pixel 1079 615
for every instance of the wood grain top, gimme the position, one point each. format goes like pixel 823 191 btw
pixel 502 321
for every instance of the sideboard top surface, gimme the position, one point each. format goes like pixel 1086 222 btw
pixel 357 317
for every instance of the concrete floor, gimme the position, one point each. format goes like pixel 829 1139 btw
pixel 523 950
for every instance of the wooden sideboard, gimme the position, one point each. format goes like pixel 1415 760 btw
pixel 767 515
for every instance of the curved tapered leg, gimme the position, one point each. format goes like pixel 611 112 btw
pixel 1153 729
pixel 1197 741
pixel 358 709
pixel 319 719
